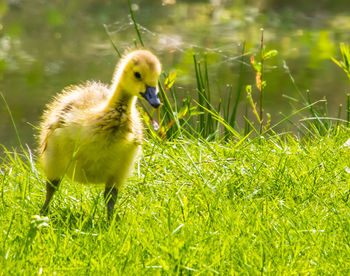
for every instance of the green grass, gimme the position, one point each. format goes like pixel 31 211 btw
pixel 277 205
pixel 206 197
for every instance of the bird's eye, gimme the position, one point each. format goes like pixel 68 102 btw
pixel 137 75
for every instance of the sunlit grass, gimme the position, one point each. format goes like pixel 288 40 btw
pixel 275 205
pixel 205 198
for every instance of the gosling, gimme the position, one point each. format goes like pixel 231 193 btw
pixel 92 133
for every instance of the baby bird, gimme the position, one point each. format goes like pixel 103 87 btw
pixel 93 132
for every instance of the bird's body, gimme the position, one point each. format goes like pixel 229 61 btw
pixel 93 133
pixel 83 140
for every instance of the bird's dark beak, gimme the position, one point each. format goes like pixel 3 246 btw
pixel 151 96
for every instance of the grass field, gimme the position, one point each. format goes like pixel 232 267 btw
pixel 278 205
pixel 273 204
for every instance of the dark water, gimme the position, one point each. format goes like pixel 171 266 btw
pixel 46 45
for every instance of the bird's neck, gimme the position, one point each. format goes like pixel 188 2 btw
pixel 121 98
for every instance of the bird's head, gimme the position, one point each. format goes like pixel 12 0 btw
pixel 138 74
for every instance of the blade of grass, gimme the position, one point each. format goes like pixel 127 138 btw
pixel 13 124
pixel 110 39
pixel 209 122
pixel 221 120
pixel 135 23
pixel 199 91
pixel 339 115
pixel 239 89
pixel 291 115
pixel 348 109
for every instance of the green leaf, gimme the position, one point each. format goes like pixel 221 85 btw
pixel 345 51
pixel 169 81
pixel 339 63
pixel 270 54
pixel 248 89
pixel 256 65
pixel 182 112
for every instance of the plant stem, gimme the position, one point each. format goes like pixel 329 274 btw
pixel 135 24
pixel 339 115
pixel 110 39
pixel 261 78
pixel 348 110
pixel 239 89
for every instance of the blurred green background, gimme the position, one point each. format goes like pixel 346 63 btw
pixel 47 45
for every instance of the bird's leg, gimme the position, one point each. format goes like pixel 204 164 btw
pixel 51 187
pixel 110 195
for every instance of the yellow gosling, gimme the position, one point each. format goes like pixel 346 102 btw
pixel 93 132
